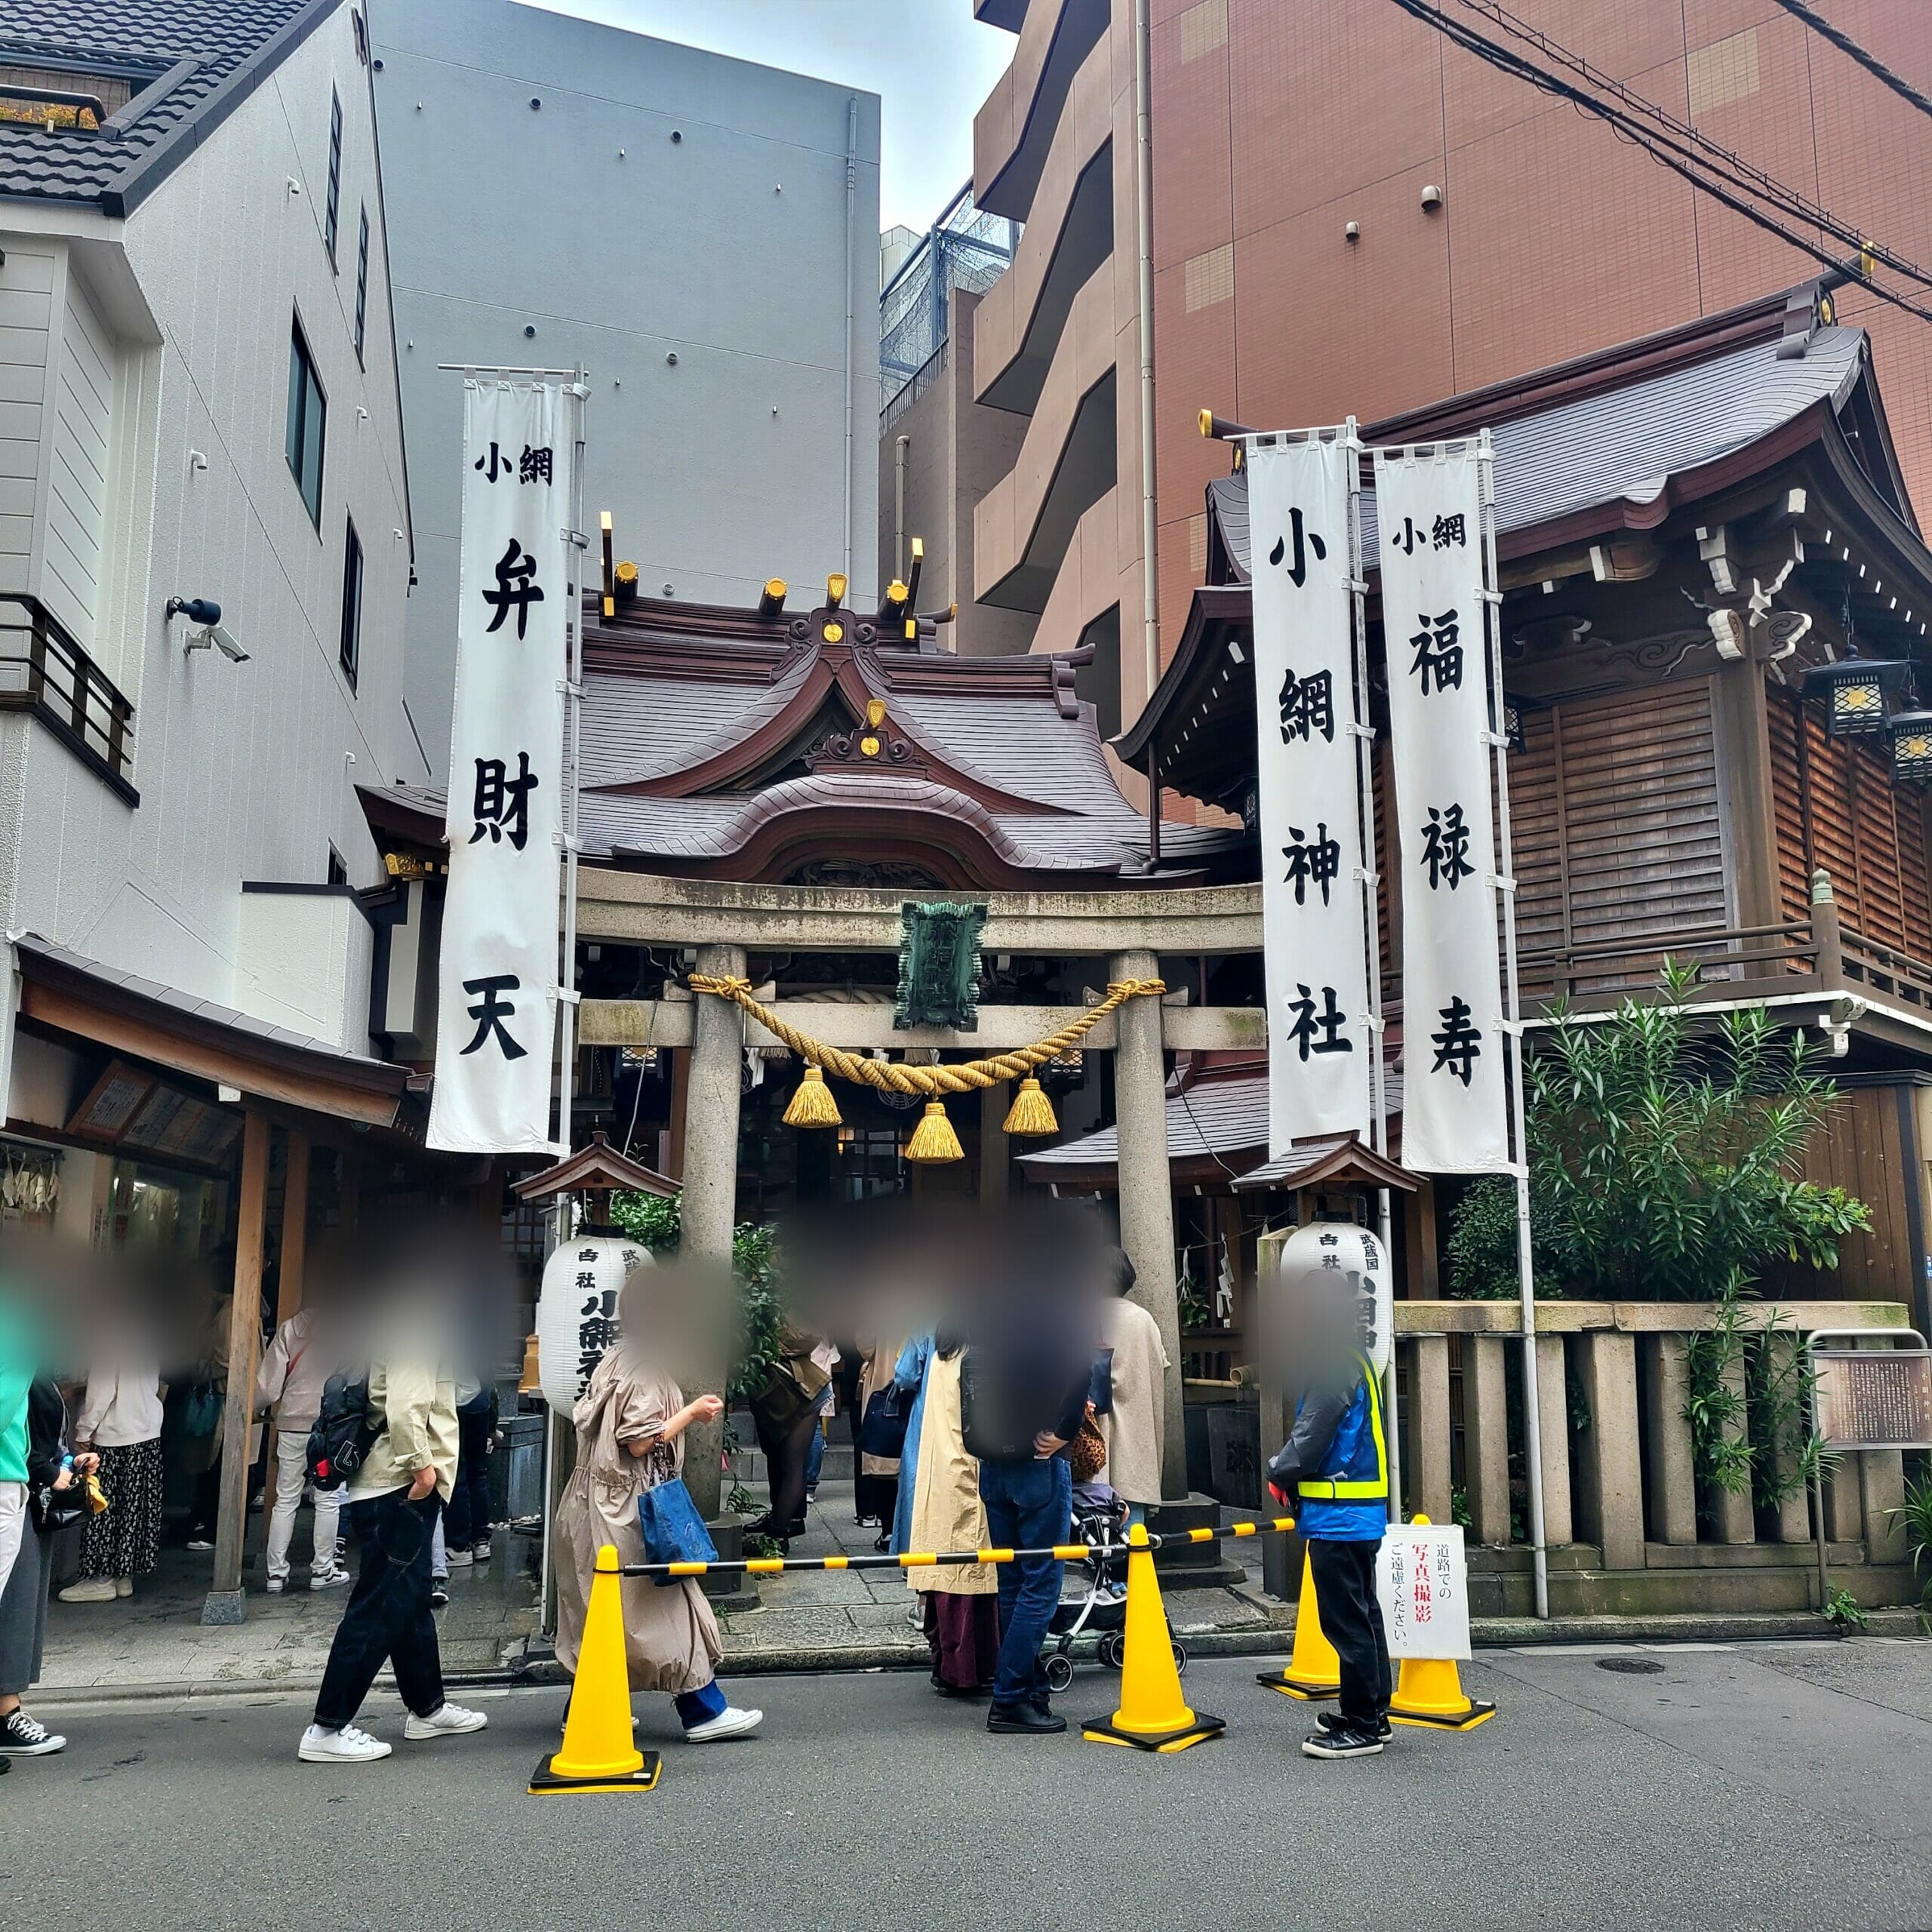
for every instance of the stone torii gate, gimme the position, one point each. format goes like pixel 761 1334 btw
pixel 725 921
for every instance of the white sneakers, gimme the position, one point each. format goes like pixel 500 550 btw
pixel 353 1745
pixel 460 1559
pixel 328 1578
pixel 348 1745
pixel 729 1722
pixel 446 1721
pixel 276 1585
pixel 93 1589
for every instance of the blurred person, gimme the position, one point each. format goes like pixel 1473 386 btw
pixel 120 1421
pixel 395 1501
pixel 467 1520
pixel 876 1484
pixel 827 1357
pixel 785 1413
pixel 1132 1419
pixel 51 1468
pixel 959 1607
pixel 294 1367
pixel 1333 1473
pixel 630 1425
pixel 1024 1383
pixel 202 1446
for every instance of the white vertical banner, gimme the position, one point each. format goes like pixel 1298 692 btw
pixel 1315 928
pixel 496 1027
pixel 1429 508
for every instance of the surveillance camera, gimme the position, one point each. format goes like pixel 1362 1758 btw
pixel 227 645
pixel 202 610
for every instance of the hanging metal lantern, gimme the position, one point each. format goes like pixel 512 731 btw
pixel 1858 691
pixel 576 1309
pixel 1911 734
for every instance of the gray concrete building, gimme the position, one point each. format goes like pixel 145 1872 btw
pixel 558 190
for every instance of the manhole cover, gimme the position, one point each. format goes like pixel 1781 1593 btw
pixel 1632 1666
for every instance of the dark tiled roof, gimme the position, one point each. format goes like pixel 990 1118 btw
pixel 1226 1119
pixel 208 53
pixel 1624 445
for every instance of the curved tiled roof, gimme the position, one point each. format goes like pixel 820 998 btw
pixel 204 56
pixel 1626 444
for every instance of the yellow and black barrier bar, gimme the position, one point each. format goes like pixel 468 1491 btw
pixel 1063 1552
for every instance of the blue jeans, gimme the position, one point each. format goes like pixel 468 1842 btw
pixel 1029 1506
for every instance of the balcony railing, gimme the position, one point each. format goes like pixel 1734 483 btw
pixel 44 671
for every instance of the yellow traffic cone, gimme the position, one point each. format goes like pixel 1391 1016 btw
pixel 1314 1673
pixel 598 1753
pixel 1153 1715
pixel 1429 1693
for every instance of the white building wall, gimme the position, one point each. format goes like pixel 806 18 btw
pixel 26 301
pixel 243 771
pixel 583 221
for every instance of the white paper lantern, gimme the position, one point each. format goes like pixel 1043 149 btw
pixel 577 1310
pixel 1361 1262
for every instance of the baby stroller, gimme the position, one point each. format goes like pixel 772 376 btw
pixel 1100 1520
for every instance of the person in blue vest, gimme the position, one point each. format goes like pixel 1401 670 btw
pixel 1332 1474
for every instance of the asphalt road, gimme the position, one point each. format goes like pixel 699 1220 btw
pixel 1775 1786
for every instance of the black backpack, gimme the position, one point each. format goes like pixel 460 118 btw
pixel 345 1429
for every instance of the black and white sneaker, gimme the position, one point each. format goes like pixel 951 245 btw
pixel 1334 1721
pixel 1341 1740
pixel 23 1736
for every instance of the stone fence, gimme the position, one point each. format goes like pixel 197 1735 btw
pixel 1631 1526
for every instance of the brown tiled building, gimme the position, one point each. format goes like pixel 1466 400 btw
pixel 1277 123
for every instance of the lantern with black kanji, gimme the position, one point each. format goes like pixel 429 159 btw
pixel 1911 734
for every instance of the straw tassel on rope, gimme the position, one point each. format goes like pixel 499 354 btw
pixel 934 1140
pixel 813 1105
pixel 1031 1112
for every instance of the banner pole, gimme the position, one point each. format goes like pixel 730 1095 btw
pixel 1372 922
pixel 1513 1023
pixel 575 543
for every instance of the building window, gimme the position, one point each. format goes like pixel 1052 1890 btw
pixel 308 420
pixel 338 871
pixel 330 212
pixel 362 282
pixel 351 604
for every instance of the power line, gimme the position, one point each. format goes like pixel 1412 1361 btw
pixel 1686 140
pixel 1691 167
pixel 1846 45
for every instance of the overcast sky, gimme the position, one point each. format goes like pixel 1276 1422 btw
pixel 929 61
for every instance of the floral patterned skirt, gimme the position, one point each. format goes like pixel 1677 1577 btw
pixel 125 1540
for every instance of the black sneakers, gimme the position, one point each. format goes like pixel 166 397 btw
pixel 1341 1739
pixel 1333 1721
pixel 1028 1719
pixel 23 1736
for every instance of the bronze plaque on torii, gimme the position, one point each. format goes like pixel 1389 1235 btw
pixel 1873 1398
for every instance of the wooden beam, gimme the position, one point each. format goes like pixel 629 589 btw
pixel 620 1022
pixel 289 1280
pixel 223 1604
pixel 72 1014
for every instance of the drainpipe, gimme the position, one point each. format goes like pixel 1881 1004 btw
pixel 899 450
pixel 851 196
pixel 1143 210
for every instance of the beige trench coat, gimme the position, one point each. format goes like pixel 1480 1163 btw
pixel 1135 1431
pixel 947 1513
pixel 671 1637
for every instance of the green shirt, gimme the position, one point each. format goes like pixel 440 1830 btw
pixel 17 1373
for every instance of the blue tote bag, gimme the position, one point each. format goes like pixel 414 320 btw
pixel 674 1532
